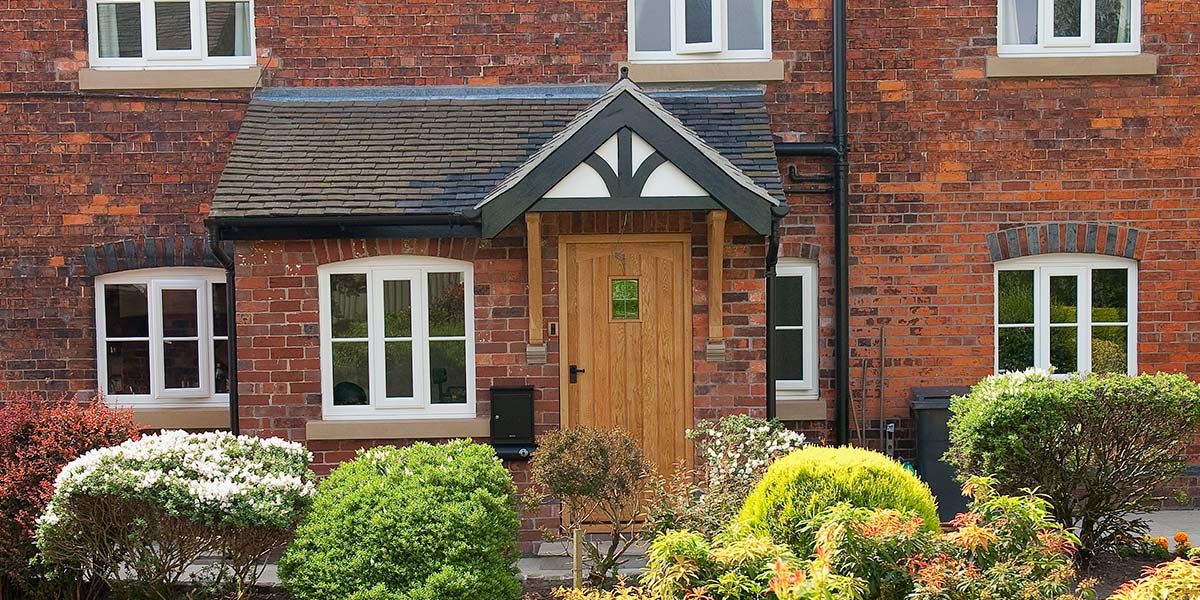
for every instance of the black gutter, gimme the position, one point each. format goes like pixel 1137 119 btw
pixel 838 150
pixel 342 227
pixel 230 327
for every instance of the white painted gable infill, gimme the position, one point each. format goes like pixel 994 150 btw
pixel 662 179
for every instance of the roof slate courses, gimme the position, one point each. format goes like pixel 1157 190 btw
pixel 442 151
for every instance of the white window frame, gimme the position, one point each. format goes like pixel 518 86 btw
pixel 1079 265
pixel 801 389
pixel 196 57
pixel 717 50
pixel 1084 45
pixel 379 269
pixel 156 280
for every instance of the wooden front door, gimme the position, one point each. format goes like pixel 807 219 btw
pixel 627 336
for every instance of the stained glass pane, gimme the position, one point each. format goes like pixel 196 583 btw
pixel 625 303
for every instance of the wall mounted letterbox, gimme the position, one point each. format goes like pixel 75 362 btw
pixel 512 422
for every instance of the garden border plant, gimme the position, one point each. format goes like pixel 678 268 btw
pixel 1098 447
pixel 135 516
pixel 37 437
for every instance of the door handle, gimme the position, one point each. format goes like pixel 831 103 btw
pixel 573 371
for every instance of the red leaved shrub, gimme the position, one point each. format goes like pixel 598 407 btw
pixel 37 438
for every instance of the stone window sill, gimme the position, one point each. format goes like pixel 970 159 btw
pixel 706 72
pixel 807 409
pixel 1071 66
pixel 413 429
pixel 181 418
pixel 169 79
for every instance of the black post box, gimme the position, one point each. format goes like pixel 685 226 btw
pixel 512 422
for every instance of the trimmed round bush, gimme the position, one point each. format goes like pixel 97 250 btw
pixel 800 486
pixel 418 523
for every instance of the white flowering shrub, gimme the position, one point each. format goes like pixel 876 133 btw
pixel 731 455
pixel 154 506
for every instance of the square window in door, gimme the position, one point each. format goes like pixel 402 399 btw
pixel 625 300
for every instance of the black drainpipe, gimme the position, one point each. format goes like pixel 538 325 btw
pixel 214 242
pixel 838 150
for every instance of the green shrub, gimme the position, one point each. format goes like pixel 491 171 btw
pixel 599 475
pixel 731 456
pixel 419 523
pixel 153 507
pixel 1098 447
pixel 807 482
pixel 1175 580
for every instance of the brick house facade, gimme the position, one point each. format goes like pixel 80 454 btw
pixel 961 156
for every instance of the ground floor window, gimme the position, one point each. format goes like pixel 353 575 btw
pixel 397 338
pixel 1072 313
pixel 794 335
pixel 161 337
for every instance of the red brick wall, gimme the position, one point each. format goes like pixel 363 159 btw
pixel 942 156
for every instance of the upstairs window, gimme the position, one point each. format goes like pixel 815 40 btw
pixel 161 337
pixel 1075 313
pixel 699 30
pixel 1081 27
pixel 171 33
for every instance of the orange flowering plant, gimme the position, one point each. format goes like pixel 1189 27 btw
pixel 1005 547
pixel 1177 580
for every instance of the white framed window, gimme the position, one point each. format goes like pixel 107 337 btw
pixel 794 345
pixel 170 33
pixel 699 30
pixel 161 337
pixel 397 338
pixel 1080 27
pixel 1072 312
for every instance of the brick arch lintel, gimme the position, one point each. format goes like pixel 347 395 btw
pixel 151 252
pixel 803 250
pixel 1068 238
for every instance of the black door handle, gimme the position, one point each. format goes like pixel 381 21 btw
pixel 573 371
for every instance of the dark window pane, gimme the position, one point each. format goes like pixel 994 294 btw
pixel 397 308
pixel 448 372
pixel 698 21
pixel 351 368
pixel 181 365
pixel 652 20
pixel 228 28
pixel 220 318
pixel 125 311
pixel 789 301
pixel 173 25
pixel 348 305
pixel 1110 295
pixel 1016 348
pixel 1110 349
pixel 746 24
pixel 447 305
pixel 221 366
pixel 1015 297
pixel 128 367
pixel 398 369
pixel 1064 299
pixel 119 30
pixel 179 313
pixel 1113 21
pixel 1064 349
pixel 789 355
pixel 1067 18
